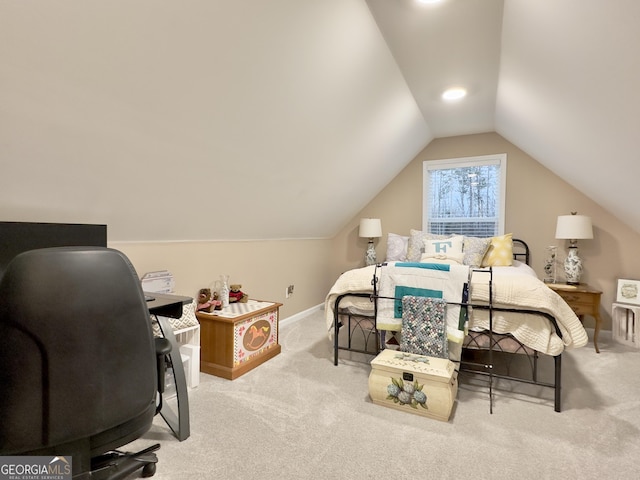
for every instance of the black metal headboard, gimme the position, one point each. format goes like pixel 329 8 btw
pixel 520 251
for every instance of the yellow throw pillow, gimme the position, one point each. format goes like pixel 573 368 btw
pixel 500 253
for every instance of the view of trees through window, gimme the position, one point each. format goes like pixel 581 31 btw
pixel 463 196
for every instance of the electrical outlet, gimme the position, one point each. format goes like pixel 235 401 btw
pixel 289 291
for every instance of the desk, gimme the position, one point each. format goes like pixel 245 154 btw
pixel 167 305
pixel 164 305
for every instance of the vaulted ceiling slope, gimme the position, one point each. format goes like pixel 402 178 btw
pixel 206 120
pixel 558 79
pixel 568 94
pixel 174 120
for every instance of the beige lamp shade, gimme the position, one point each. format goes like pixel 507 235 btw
pixel 574 227
pixel 370 228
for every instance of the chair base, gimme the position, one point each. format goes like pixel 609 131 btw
pixel 117 465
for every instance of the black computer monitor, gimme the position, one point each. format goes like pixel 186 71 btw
pixel 18 237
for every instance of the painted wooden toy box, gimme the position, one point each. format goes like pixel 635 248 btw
pixel 412 383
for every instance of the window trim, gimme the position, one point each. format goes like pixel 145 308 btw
pixel 495 159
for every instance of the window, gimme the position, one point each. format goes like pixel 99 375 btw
pixel 464 196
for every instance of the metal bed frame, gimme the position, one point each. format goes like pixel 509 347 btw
pixel 486 341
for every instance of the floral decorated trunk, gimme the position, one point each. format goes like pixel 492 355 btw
pixel 412 383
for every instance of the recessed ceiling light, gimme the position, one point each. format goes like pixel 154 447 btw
pixel 429 1
pixel 454 94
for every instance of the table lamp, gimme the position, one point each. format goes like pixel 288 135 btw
pixel 370 228
pixel 573 228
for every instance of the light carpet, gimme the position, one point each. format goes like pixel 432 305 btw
pixel 298 416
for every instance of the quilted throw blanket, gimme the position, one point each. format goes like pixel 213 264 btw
pixel 424 331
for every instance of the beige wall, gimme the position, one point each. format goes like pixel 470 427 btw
pixel 264 268
pixel 535 197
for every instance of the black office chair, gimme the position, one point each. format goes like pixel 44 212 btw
pixel 78 363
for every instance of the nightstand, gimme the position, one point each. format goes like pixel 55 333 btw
pixel 583 300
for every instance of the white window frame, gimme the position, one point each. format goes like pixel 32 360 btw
pixel 496 159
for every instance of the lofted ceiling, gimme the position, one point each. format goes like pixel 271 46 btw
pixel 558 79
pixel 201 120
pixel 455 43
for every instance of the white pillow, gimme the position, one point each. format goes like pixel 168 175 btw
pixel 397 247
pixel 416 248
pixel 446 250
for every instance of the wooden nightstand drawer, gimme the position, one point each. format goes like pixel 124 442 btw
pixel 581 309
pixel 577 297
pixel 583 300
pixel 582 303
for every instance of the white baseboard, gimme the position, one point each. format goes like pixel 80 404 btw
pixel 301 315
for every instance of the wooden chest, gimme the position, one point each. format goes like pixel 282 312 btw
pixel 412 383
pixel 238 338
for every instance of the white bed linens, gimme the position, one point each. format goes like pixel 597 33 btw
pixel 510 290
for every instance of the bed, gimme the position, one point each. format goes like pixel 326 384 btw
pixel 509 311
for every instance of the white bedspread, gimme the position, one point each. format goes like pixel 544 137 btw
pixel 510 290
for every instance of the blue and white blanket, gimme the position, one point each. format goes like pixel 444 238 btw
pixel 434 280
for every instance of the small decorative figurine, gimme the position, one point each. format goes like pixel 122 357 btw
pixel 236 295
pixel 207 302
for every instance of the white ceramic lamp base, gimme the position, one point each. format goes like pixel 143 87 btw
pixel 573 267
pixel 370 256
